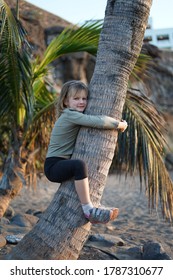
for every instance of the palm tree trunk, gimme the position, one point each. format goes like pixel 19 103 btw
pixel 62 230
pixel 12 180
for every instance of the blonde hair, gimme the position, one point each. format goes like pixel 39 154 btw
pixel 70 88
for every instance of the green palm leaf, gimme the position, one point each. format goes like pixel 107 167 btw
pixel 142 147
pixel 79 39
pixel 16 96
pixel 76 39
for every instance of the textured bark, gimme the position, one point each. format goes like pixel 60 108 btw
pixel 12 181
pixel 62 230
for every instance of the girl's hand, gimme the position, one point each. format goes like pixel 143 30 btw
pixel 122 125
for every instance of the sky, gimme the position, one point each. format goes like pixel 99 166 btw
pixel 78 11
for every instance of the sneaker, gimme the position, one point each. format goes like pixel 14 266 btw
pixel 102 215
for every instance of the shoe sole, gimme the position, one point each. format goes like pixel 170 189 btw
pixel 114 214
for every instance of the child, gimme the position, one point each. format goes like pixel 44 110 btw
pixel 59 166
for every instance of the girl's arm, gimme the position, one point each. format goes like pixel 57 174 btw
pixel 103 122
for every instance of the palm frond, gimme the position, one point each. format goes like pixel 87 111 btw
pixel 141 67
pixel 143 147
pixel 15 69
pixel 76 39
pixel 44 113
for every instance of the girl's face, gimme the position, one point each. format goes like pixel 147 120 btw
pixel 77 102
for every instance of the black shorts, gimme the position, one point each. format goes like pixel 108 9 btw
pixel 59 169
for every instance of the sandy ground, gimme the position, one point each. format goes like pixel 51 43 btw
pixel 134 224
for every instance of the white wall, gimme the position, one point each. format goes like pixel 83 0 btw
pixel 155 34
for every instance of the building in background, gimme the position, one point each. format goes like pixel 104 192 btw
pixel 162 38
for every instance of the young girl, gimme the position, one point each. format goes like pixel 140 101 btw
pixel 59 166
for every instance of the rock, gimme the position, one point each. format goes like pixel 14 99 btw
pixel 135 253
pixel 6 250
pixel 89 253
pixel 24 220
pixel 9 212
pixel 2 241
pixel 154 251
pixel 13 229
pixel 38 213
pixel 4 221
pixel 34 212
pixel 14 239
pixel 109 244
pixel 30 211
pixel 116 248
pixel 107 239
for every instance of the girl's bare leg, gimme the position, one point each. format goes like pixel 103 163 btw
pixel 82 189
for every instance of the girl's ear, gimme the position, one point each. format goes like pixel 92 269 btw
pixel 66 101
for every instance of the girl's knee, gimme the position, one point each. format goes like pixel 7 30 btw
pixel 81 169
pixel 81 163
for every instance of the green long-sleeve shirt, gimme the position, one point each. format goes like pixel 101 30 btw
pixel 66 128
